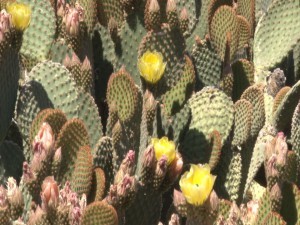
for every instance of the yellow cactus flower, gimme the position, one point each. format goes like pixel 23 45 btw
pixel 164 147
pixel 20 15
pixel 151 66
pixel 196 184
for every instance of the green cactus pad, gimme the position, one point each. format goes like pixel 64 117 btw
pixel 279 97
pixel 11 163
pixel 81 179
pixel 105 158
pixel 290 170
pixel 110 9
pixel 233 178
pixel 54 117
pixel 98 185
pixel 9 73
pixel 242 122
pixel 223 22
pixel 257 158
pixel 283 116
pixel 126 53
pixel 171 45
pixel 59 50
pixel 255 96
pixel 243 77
pixel 244 32
pixel 211 110
pixel 88 113
pixel 33 98
pixel 276 33
pixel 207 63
pixel 122 92
pixel 246 8
pixel 72 136
pixel 38 37
pixel 174 99
pixel 214 5
pixel 295 131
pixel 99 213
pixel 56 81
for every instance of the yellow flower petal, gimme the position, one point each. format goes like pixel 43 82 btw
pixel 151 66
pixel 164 147
pixel 20 14
pixel 196 184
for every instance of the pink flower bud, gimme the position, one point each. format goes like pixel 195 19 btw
pixel 5 24
pixel 60 6
pixel 72 17
pixel 44 140
pixel 3 197
pixel 14 194
pixel 50 193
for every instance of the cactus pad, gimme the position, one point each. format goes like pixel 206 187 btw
pixel 98 185
pixel 38 37
pixel 56 81
pixel 99 213
pixel 276 33
pixel 122 93
pixel 207 63
pixel 242 122
pixel 295 131
pixel 81 179
pixel 72 136
pixel 174 99
pixel 256 97
pixel 283 116
pixel 211 110
pixel 223 22
pixel 243 77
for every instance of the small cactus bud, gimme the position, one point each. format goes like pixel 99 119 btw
pixel 86 65
pixel 276 197
pixel 179 202
pixel 213 201
pixel 67 62
pixel 122 194
pixel 50 193
pixel 184 20
pixel 72 17
pixel 172 15
pixel 57 155
pixel 60 6
pixel 154 18
pixel 126 167
pixel 160 171
pixel 148 165
pixel 198 41
pixel 28 175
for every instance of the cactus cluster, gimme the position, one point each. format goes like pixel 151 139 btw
pixel 127 112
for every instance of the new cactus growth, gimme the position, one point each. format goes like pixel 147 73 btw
pixel 123 112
